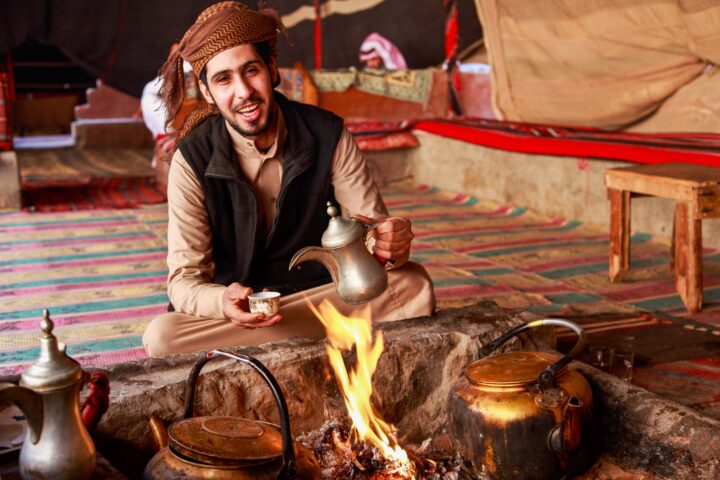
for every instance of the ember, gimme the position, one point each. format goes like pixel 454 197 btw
pixel 340 458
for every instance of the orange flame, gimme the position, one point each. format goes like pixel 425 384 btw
pixel 356 386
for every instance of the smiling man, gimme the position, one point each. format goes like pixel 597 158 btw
pixel 248 187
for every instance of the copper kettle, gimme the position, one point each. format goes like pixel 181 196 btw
pixel 57 444
pixel 525 415
pixel 357 275
pixel 229 447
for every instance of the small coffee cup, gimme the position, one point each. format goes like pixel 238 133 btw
pixel 264 302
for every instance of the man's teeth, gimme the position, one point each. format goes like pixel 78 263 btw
pixel 249 108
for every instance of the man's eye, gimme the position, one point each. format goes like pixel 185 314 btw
pixel 251 71
pixel 222 79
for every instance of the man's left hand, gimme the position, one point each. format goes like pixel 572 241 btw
pixel 392 237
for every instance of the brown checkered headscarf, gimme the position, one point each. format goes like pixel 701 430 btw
pixel 219 27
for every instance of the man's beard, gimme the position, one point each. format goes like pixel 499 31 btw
pixel 252 132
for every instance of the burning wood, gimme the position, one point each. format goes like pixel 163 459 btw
pixel 341 457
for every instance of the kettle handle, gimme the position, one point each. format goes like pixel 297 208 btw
pixel 546 379
pixel 289 466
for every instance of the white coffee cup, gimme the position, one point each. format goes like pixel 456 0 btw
pixel 264 302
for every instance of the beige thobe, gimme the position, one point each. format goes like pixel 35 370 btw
pixel 199 322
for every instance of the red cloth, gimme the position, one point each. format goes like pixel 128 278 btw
pixel 701 149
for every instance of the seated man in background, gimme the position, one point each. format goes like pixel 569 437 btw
pixel 377 52
pixel 248 188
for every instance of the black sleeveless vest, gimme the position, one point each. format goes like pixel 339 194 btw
pixel 242 250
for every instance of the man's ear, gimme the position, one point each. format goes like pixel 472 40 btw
pixel 205 92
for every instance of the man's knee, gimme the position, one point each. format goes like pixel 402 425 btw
pixel 413 283
pixel 158 334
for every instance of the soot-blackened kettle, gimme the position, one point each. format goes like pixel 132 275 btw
pixel 220 448
pixel 525 415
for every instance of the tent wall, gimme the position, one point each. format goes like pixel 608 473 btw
pixel 600 63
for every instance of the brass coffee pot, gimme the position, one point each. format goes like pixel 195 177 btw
pixel 357 275
pixel 525 415
pixel 219 448
pixel 57 445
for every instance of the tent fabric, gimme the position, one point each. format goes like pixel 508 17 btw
pixel 600 63
pixel 124 42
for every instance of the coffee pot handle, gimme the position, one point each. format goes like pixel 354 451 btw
pixel 546 379
pixel 289 467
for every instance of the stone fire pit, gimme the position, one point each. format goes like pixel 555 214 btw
pixel 422 359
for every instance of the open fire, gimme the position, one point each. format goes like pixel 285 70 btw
pixel 368 448
pixel 368 428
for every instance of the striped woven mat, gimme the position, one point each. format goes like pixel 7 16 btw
pixel 100 273
pixel 102 276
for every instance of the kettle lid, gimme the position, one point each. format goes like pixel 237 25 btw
pixel 229 441
pixel 340 231
pixel 510 369
pixel 54 370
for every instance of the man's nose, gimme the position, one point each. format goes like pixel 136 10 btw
pixel 243 88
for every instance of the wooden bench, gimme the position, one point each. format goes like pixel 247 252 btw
pixel 696 191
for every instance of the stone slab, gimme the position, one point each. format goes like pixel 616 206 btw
pixel 422 359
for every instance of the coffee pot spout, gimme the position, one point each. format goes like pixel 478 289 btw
pixel 29 402
pixel 319 255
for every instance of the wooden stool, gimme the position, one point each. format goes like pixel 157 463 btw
pixel 696 191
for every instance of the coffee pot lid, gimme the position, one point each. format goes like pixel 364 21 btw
pixel 510 369
pixel 54 369
pixel 340 231
pixel 228 441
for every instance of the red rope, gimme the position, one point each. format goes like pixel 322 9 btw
pixel 97 401
pixel 318 36
pixel 451 50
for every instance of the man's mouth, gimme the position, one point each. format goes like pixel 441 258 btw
pixel 250 111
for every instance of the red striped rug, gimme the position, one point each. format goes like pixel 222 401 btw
pixel 55 195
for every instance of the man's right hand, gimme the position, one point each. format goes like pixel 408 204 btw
pixel 237 310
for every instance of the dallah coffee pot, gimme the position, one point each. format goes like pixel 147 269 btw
pixel 525 415
pixel 57 445
pixel 357 275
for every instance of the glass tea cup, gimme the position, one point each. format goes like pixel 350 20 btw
pixel 601 357
pixel 622 365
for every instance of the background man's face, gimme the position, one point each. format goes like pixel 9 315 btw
pixel 239 83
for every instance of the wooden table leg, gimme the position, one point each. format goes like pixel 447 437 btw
pixel 619 234
pixel 688 255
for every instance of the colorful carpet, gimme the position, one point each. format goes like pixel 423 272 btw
pixel 63 179
pixel 102 275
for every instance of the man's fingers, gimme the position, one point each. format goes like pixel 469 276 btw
pixel 257 320
pixel 269 322
pixel 393 224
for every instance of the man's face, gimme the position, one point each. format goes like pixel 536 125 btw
pixel 239 83
pixel 374 62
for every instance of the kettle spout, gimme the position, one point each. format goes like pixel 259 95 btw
pixel 319 255
pixel 159 432
pixel 566 436
pixel 29 402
